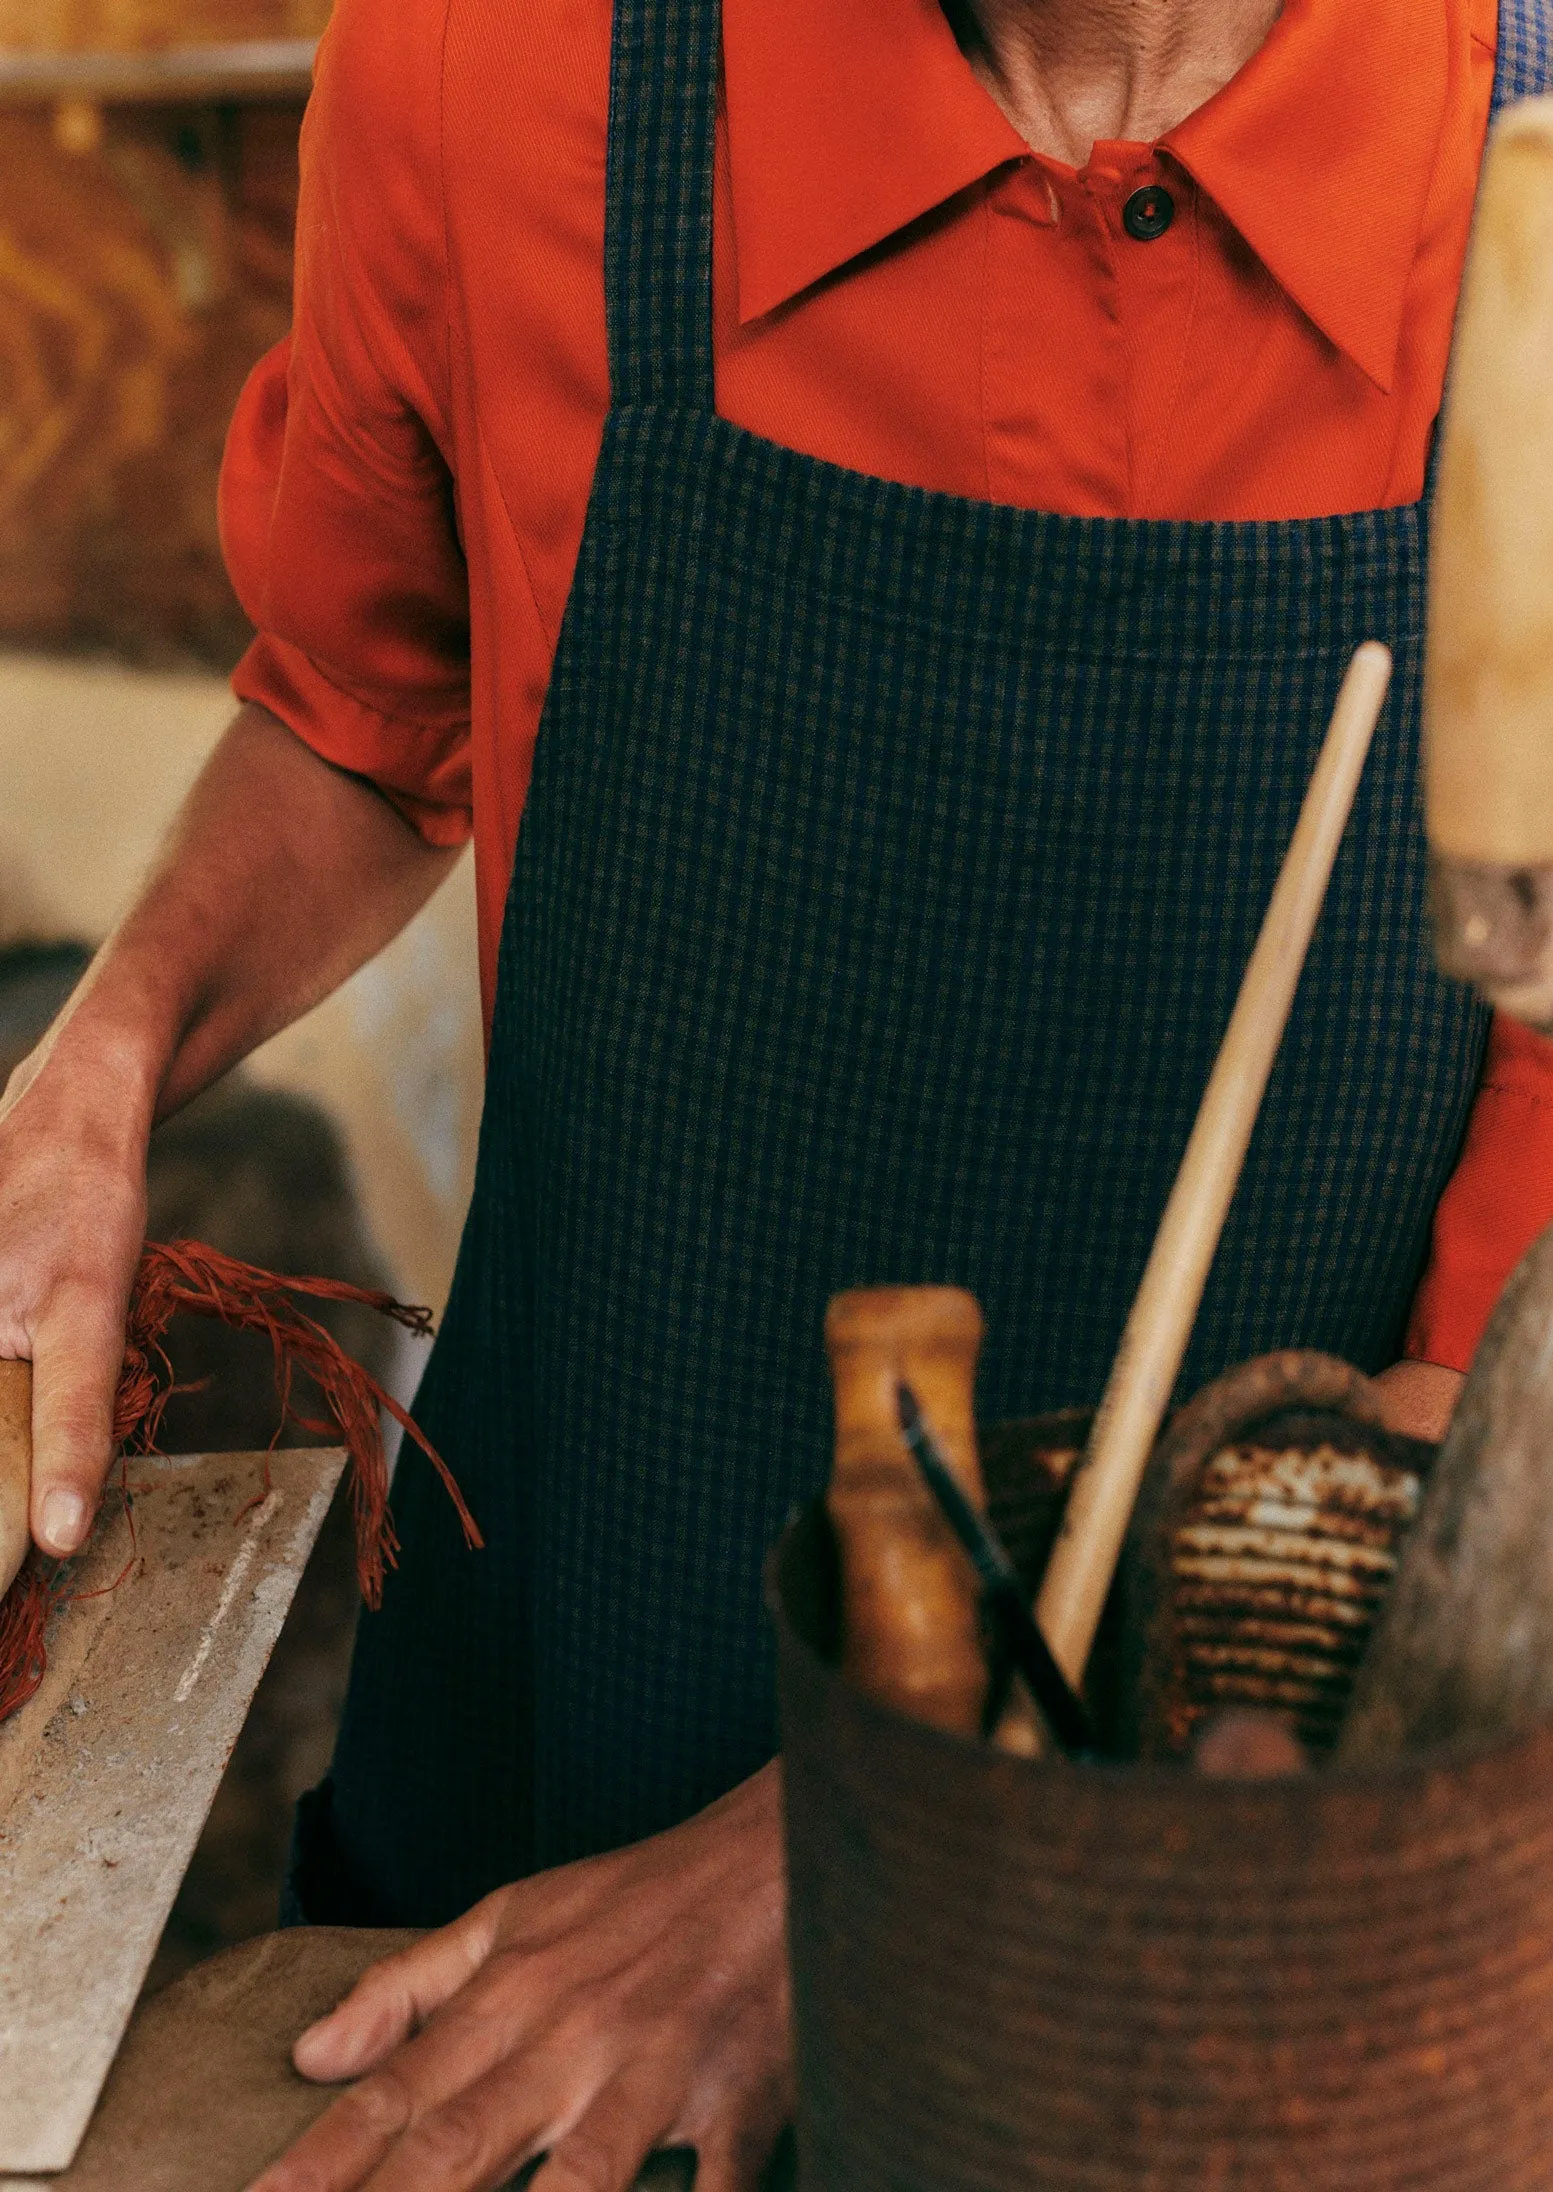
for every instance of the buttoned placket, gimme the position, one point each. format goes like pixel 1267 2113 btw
pixel 1130 215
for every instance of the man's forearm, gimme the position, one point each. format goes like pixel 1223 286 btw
pixel 279 878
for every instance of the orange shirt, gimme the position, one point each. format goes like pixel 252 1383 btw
pixel 900 287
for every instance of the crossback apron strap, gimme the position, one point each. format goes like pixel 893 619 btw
pixel 658 218
pixel 1525 64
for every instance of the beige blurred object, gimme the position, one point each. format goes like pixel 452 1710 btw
pixel 85 26
pixel 95 760
pixel 243 69
pixel 1489 677
pixel 397 1056
pixel 78 126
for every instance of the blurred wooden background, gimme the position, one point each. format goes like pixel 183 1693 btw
pixel 145 265
pixel 51 26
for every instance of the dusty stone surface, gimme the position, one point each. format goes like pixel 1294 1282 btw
pixel 107 1775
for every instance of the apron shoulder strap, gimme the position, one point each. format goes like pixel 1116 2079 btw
pixel 1525 64
pixel 658 202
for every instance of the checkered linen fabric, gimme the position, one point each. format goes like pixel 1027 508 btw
pixel 1525 62
pixel 887 876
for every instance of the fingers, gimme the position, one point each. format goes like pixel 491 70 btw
pixel 437 2070
pixel 475 2141
pixel 735 2144
pixel 77 1352
pixel 395 1998
pixel 590 2015
pixel 72 1219
pixel 1419 1398
pixel 604 2151
pixel 408 2129
pixel 459 2110
pixel 735 2164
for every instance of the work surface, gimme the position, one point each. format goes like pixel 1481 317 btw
pixel 203 2095
pixel 107 1775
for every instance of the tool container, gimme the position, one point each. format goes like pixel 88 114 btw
pixel 1065 1976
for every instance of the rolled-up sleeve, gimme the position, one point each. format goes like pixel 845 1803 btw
pixel 338 507
pixel 1498 1201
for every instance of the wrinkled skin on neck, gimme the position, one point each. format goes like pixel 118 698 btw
pixel 1070 72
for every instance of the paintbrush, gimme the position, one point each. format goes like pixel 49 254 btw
pixel 1003 1592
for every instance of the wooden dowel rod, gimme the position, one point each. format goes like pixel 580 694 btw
pixel 1153 1346
pixel 15 1468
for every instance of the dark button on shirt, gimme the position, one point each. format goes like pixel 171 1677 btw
pixel 1148 213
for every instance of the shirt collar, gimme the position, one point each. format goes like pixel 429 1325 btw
pixel 848 119
pixel 1321 153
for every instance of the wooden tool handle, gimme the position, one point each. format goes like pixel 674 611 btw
pixel 1488 682
pixel 15 1468
pixel 910 1607
pixel 1105 1487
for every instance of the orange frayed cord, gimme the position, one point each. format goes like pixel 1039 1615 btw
pixel 184 1277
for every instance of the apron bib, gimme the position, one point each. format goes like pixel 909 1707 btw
pixel 886 878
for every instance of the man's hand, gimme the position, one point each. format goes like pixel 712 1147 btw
pixel 1420 1398
pixel 279 878
pixel 593 2014
pixel 72 1215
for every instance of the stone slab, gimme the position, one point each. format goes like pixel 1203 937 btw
pixel 107 1775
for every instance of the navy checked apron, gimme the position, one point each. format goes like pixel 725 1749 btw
pixel 889 868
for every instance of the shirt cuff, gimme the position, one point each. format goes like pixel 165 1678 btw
pixel 1498 1201
pixel 421 769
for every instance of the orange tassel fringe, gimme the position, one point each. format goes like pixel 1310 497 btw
pixel 24 1617
pixel 185 1277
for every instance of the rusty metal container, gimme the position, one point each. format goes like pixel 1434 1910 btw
pixel 1067 1977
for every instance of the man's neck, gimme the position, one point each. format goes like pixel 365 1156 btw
pixel 1069 72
